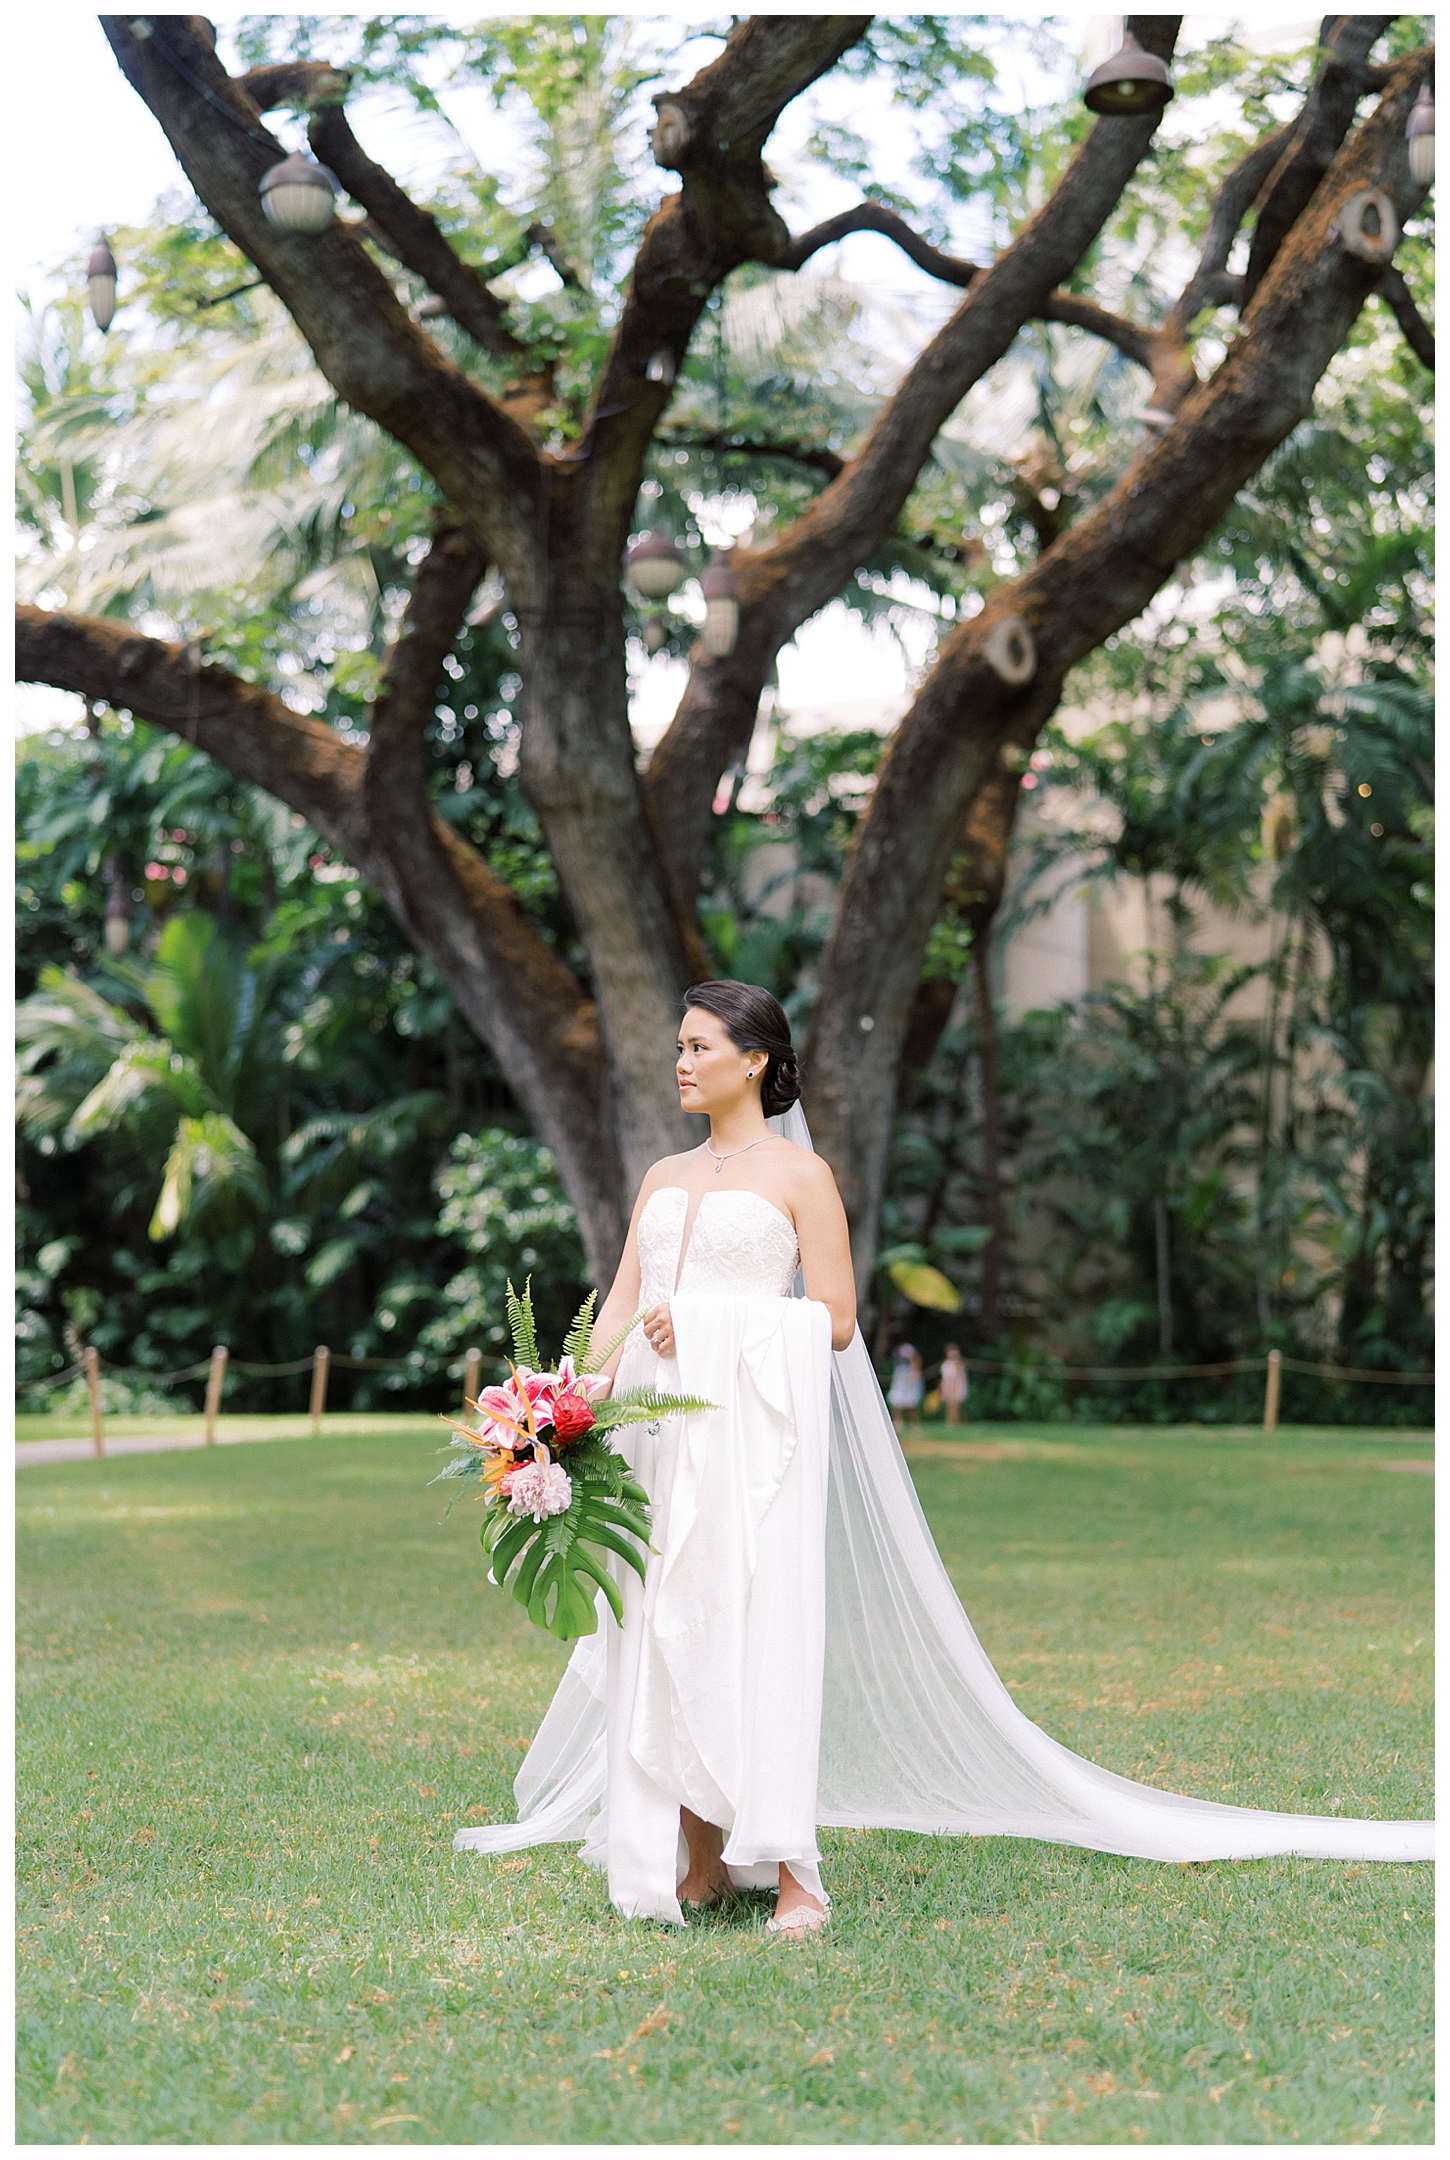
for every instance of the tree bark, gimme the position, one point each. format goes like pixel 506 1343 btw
pixel 596 1075
pixel 783 585
pixel 1100 574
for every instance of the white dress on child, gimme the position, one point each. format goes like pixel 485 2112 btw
pixel 797 1655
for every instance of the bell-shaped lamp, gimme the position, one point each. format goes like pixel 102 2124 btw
pixel 101 284
pixel 1420 131
pixel 722 606
pixel 655 566
pixel 1131 82
pixel 299 195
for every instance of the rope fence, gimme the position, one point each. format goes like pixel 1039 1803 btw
pixel 1202 1372
pixel 216 1367
pixel 322 1360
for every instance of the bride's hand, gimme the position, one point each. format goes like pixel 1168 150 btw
pixel 659 1331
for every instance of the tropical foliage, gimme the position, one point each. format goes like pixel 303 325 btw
pixel 242 1128
pixel 231 1132
pixel 558 1498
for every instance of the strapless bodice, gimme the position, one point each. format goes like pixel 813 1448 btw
pixel 740 1245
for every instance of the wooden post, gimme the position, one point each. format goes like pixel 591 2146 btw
pixel 472 1376
pixel 214 1381
pixel 1271 1391
pixel 93 1384
pixel 319 1386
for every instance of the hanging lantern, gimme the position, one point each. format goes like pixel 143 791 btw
pixel 660 368
pixel 298 195
pixel 1131 82
pixel 722 606
pixel 101 283
pixel 118 909
pixel 1420 133
pixel 655 566
pixel 655 632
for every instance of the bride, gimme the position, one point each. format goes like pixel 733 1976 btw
pixel 796 1655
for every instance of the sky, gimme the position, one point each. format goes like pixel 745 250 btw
pixel 85 153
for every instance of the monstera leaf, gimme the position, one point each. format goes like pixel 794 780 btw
pixel 560 1562
pixel 560 1500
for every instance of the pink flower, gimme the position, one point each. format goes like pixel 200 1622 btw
pixel 536 1491
pixel 507 1411
pixel 527 1400
pixel 572 1416
pixel 590 1385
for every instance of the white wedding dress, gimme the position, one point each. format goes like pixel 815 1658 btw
pixel 797 1654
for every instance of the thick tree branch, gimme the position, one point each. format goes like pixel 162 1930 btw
pixel 1400 301
pixel 1326 119
pixel 1100 574
pixel 510 985
pixel 374 357
pixel 413 235
pixel 1210 284
pixel 252 732
pixel 976 877
pixel 712 133
pixel 396 763
pixel 784 584
pixel 302 85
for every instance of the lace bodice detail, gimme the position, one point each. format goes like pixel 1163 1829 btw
pixel 740 1245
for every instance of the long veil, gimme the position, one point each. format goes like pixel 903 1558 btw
pixel 917 1731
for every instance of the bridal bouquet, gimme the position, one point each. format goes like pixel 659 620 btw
pixel 557 1496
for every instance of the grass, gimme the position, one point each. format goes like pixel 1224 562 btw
pixel 262 1685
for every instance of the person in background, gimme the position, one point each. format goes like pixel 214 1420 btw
pixel 954 1384
pixel 906 1386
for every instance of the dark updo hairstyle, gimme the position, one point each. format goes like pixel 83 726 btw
pixel 754 1021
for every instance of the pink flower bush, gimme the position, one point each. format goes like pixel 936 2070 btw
pixel 537 1491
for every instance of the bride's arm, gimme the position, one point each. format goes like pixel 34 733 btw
pixel 622 1302
pixel 825 1248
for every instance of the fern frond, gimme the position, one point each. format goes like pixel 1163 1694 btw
pixel 581 1330
pixel 521 1326
pixel 598 1357
pixel 641 1404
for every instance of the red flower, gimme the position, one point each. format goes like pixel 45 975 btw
pixel 572 1416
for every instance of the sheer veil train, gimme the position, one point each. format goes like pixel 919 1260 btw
pixel 917 1731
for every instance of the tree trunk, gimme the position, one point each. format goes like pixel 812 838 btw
pixel 595 1070
pixel 576 761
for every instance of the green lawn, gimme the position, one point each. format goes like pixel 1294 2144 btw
pixel 261 1685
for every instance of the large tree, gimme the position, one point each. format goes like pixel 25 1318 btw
pixel 552 518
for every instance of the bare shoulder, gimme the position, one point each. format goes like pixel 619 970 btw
pixel 666 1171
pixel 812 1181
